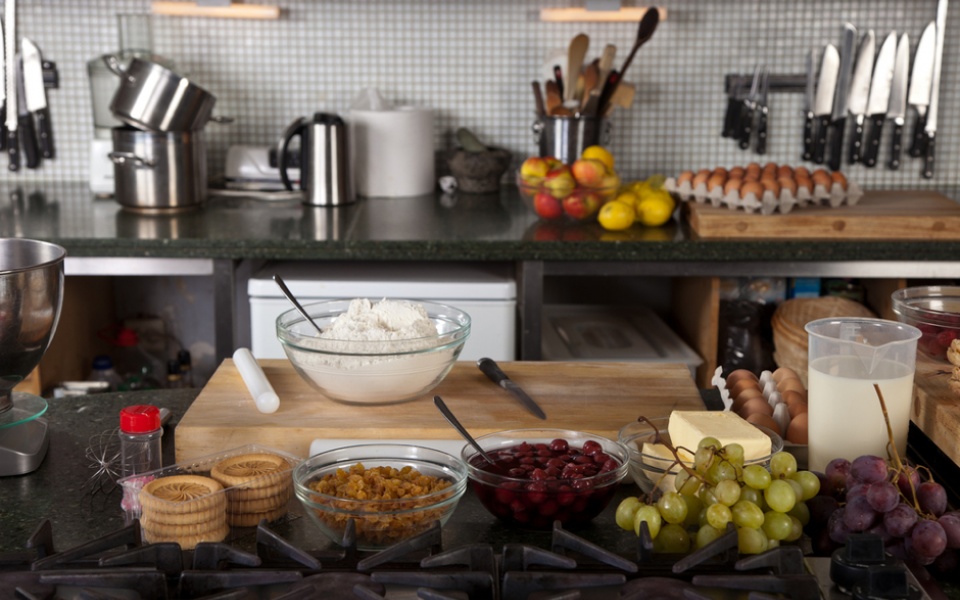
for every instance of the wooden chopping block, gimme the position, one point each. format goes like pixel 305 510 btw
pixel 595 397
pixel 936 409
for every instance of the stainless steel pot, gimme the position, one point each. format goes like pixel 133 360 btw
pixel 159 172
pixel 154 98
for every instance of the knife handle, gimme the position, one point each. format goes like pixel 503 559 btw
pixel 820 144
pixel 930 147
pixel 836 143
pixel 492 370
pixel 917 148
pixel 762 129
pixel 896 145
pixel 28 137
pixel 45 132
pixel 730 118
pixel 13 150
pixel 808 137
pixel 856 143
pixel 746 126
pixel 871 145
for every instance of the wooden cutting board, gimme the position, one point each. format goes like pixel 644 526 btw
pixel 595 397
pixel 936 409
pixel 880 214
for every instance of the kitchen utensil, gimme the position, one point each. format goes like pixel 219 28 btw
pixel 606 63
pixel 921 80
pixel 878 102
pixel 930 127
pixel 748 108
pixel 264 396
pixel 576 52
pixel 645 30
pixel 591 78
pixel 554 98
pixel 3 93
pixel 808 103
pixel 558 79
pixel 10 39
pixel 763 112
pixel 823 101
pixel 28 131
pixel 36 96
pixel 848 356
pixel 31 293
pixel 538 98
pixel 566 137
pixel 841 97
pixel 324 159
pixel 859 91
pixel 296 303
pixel 453 420
pixel 159 172
pixel 489 367
pixel 897 107
pixel 154 98
pixel 731 117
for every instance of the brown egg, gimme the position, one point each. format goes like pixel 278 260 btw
pixel 751 187
pixel 732 185
pixel 769 185
pixel 745 396
pixel 788 184
pixel 784 171
pixel 771 167
pixel 756 405
pixel 737 172
pixel 719 171
pixel 801 172
pixel 753 171
pixel 797 408
pixel 745 389
pixel 764 421
pixel 804 183
pixel 821 177
pixel 791 384
pixel 791 397
pixel 701 177
pixel 798 429
pixel 685 177
pixel 783 373
pixel 738 374
pixel 839 178
pixel 716 181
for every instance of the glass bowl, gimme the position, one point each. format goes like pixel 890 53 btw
pixel 372 372
pixel 536 498
pixel 648 470
pixel 935 311
pixel 380 523
pixel 552 200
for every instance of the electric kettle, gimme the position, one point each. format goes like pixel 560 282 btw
pixel 324 168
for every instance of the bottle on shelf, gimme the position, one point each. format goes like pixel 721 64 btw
pixel 138 368
pixel 186 368
pixel 102 370
pixel 174 376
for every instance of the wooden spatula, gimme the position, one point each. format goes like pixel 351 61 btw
pixel 591 78
pixel 576 52
pixel 553 99
pixel 622 97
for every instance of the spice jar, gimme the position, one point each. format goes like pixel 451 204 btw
pixel 140 444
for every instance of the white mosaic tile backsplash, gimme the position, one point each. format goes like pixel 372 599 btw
pixel 473 61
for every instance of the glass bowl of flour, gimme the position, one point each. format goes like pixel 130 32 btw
pixel 374 351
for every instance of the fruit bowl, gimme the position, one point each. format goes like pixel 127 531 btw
pixel 554 190
pixel 648 470
pixel 935 311
pixel 544 475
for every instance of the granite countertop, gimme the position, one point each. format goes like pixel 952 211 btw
pixel 497 227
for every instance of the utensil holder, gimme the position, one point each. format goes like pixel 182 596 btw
pixel 565 138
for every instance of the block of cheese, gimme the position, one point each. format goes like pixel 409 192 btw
pixel 688 427
pixel 658 465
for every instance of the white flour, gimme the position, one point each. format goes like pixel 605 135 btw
pixel 386 320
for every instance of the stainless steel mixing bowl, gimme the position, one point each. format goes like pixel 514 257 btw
pixel 31 292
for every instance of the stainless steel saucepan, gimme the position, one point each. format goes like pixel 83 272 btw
pixel 154 98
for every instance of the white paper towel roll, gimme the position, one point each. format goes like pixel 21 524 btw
pixel 392 151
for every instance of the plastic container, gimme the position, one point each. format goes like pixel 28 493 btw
pixel 102 370
pixel 140 440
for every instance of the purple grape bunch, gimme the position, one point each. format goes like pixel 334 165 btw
pixel 868 496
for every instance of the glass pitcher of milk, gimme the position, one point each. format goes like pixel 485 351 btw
pixel 847 356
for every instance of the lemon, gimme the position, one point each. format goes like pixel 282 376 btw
pixel 616 215
pixel 650 184
pixel 628 197
pixel 599 153
pixel 655 209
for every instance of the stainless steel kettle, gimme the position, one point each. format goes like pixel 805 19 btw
pixel 324 159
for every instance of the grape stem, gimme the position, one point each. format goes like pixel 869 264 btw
pixel 899 468
pixel 676 456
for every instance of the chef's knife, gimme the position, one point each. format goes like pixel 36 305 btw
pixel 731 118
pixel 879 100
pixel 930 127
pixel 859 91
pixel 763 112
pixel 748 107
pixel 921 79
pixel 841 96
pixel 3 94
pixel 36 95
pixel 897 109
pixel 808 106
pixel 28 134
pixel 10 41
pixel 823 101
pixel 493 371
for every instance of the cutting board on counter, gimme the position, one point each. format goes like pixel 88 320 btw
pixel 596 397
pixel 936 409
pixel 880 214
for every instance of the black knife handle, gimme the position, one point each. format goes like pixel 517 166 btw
pixel 3 126
pixel 820 145
pixel 856 143
pixel 492 370
pixel 808 137
pixel 762 115
pixel 917 148
pixel 871 145
pixel 931 146
pixel 836 143
pixel 730 118
pixel 45 133
pixel 28 138
pixel 896 145
pixel 13 150
pixel 746 126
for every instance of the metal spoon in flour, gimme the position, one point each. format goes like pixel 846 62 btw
pixel 300 309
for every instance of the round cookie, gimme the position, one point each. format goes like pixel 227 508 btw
pixel 182 494
pixel 251 470
pixel 253 519
pixel 161 529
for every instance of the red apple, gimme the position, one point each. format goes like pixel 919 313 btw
pixel 588 172
pixel 559 182
pixel 534 169
pixel 546 206
pixel 582 205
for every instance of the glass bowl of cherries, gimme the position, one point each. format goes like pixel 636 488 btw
pixel 935 311
pixel 539 476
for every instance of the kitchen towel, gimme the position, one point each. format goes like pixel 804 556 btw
pixel 392 151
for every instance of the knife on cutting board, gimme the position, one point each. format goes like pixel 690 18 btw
pixel 921 80
pixel 897 108
pixel 36 95
pixel 28 133
pixel 878 102
pixel 930 127
pixel 13 144
pixel 490 368
pixel 859 91
pixel 841 97
pixel 823 101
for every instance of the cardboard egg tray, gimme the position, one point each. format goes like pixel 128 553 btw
pixel 768 203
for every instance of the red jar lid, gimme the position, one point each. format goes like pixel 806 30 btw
pixel 140 418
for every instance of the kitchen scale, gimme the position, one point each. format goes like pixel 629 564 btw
pixel 31 293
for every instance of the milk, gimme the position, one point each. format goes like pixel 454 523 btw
pixel 846 420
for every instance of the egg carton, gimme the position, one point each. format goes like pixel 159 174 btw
pixel 767 203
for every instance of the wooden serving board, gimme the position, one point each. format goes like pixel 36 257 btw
pixel 880 214
pixel 936 409
pixel 594 397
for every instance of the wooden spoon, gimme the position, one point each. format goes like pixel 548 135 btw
pixel 553 99
pixel 576 52
pixel 591 77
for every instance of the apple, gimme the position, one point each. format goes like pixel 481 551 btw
pixel 534 169
pixel 559 182
pixel 589 172
pixel 546 206
pixel 610 185
pixel 582 204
